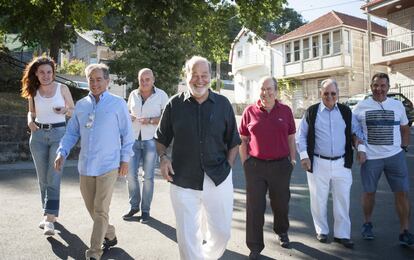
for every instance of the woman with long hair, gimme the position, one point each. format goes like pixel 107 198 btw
pixel 49 104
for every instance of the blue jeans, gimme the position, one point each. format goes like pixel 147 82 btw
pixel 145 151
pixel 43 145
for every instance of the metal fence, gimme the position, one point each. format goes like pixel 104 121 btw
pixel 398 43
pixel 407 90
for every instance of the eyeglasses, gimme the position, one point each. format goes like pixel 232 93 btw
pixel 333 94
pixel 91 119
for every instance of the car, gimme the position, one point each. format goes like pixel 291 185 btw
pixel 409 108
pixel 78 84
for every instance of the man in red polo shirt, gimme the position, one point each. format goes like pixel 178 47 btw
pixel 268 156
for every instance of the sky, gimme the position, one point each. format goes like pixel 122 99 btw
pixel 312 9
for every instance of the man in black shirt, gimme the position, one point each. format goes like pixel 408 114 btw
pixel 206 140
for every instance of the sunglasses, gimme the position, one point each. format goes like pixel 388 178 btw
pixel 91 118
pixel 333 94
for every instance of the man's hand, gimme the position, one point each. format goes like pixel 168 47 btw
pixel 306 164
pixel 59 162
pixel 132 117
pixel 166 168
pixel 123 169
pixel 361 157
pixel 33 127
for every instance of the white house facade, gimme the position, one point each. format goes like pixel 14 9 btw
pixel 250 57
pixel 396 50
pixel 333 46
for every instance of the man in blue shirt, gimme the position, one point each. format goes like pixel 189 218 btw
pixel 102 122
pixel 324 142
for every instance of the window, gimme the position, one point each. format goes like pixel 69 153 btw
pixel 315 46
pixel 239 53
pixel 288 52
pixel 296 50
pixel 336 42
pixel 347 42
pixel 305 49
pixel 326 42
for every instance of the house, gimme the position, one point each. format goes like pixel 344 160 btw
pixel 396 50
pixel 250 57
pixel 335 46
pixel 90 48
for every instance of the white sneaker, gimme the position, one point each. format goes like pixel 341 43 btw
pixel 49 229
pixel 42 224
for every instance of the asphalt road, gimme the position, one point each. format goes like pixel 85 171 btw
pixel 22 239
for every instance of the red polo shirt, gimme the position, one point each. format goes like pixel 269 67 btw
pixel 268 132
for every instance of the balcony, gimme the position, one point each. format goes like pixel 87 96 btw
pixel 249 60
pixel 393 50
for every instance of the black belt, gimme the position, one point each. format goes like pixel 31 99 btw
pixel 50 126
pixel 329 158
pixel 270 160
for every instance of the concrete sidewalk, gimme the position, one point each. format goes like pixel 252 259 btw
pixel 22 239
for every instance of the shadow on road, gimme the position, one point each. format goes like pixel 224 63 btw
pixel 75 247
pixel 167 230
pixel 311 252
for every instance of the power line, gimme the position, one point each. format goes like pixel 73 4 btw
pixel 327 6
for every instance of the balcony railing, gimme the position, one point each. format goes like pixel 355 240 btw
pixel 250 59
pixel 398 43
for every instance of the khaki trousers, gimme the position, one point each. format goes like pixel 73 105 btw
pixel 97 194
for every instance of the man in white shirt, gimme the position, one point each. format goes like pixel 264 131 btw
pixel 145 105
pixel 324 143
pixel 385 133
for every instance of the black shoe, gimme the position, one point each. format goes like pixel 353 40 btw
pixel 345 242
pixel 254 255
pixel 108 243
pixel 130 214
pixel 145 217
pixel 322 238
pixel 406 239
pixel 92 258
pixel 284 240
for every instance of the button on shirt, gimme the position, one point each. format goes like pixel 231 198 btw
pixel 329 133
pixel 105 131
pixel 268 131
pixel 152 107
pixel 203 134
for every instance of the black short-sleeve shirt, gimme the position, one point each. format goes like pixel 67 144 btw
pixel 203 134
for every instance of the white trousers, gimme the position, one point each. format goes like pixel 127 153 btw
pixel 203 215
pixel 330 174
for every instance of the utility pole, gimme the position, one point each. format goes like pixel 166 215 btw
pixel 369 46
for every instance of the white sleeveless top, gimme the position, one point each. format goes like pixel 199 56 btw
pixel 44 107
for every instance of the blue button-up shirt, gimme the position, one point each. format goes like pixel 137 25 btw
pixel 329 133
pixel 105 131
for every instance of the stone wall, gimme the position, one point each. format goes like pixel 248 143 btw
pixel 14 141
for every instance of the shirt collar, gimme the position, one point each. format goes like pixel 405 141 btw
pixel 322 107
pixel 101 97
pixel 260 106
pixel 211 96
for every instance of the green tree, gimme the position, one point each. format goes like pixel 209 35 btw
pixel 49 24
pixel 73 67
pixel 162 34
pixel 287 21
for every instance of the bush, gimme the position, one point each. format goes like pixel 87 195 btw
pixel 73 67
pixel 213 84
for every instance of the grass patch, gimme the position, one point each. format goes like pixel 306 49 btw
pixel 12 104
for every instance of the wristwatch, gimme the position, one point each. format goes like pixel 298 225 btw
pixel 164 155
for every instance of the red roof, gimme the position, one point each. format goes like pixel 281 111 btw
pixel 331 20
pixel 372 2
